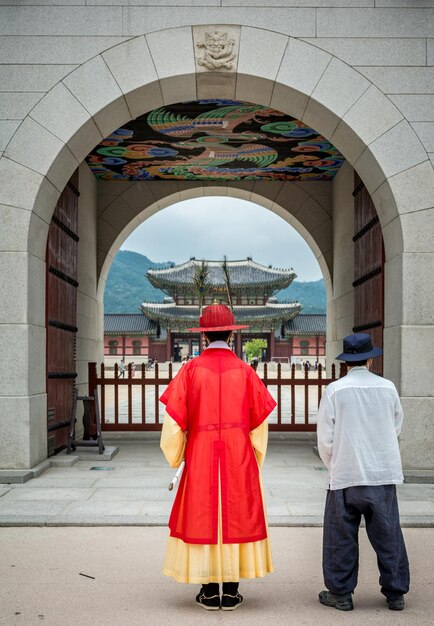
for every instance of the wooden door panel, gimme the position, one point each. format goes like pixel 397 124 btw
pixel 61 314
pixel 368 270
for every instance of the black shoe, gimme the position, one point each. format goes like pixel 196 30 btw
pixel 341 602
pixel 395 603
pixel 210 603
pixel 230 602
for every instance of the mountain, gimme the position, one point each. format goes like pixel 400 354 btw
pixel 312 295
pixel 127 286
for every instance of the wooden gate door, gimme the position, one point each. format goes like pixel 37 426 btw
pixel 61 314
pixel 368 270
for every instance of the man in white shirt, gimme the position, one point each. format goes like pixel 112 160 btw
pixel 359 420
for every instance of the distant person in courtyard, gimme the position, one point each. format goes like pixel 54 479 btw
pixel 254 363
pixel 216 419
pixel 133 369
pixel 359 420
pixel 122 368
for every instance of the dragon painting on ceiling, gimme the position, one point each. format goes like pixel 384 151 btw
pixel 215 140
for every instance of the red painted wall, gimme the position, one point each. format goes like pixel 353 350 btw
pixel 129 347
pixel 311 349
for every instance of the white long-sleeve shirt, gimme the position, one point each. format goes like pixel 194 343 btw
pixel 359 420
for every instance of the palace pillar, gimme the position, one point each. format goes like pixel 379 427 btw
pixel 271 344
pixel 238 345
pixel 169 345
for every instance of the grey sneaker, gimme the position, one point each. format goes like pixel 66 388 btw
pixel 395 603
pixel 341 602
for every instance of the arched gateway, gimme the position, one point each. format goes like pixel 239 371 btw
pixel 160 68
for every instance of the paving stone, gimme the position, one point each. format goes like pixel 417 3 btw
pixel 103 508
pixel 92 454
pixel 23 509
pixel 15 476
pixel 135 490
pixel 129 494
pixel 64 460
pixel 419 476
pixel 73 482
pixel 41 494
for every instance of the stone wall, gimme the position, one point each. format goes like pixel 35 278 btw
pixel 390 42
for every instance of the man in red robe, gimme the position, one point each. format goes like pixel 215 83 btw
pixel 221 403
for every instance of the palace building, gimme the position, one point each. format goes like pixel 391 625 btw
pixel 163 327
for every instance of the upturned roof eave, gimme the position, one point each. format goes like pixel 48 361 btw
pixel 277 283
pixel 271 314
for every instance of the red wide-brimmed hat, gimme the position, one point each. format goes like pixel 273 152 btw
pixel 216 317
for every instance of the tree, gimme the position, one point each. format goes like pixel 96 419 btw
pixel 253 348
pixel 201 282
pixel 227 279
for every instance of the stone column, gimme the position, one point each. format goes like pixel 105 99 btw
pixel 409 306
pixel 408 342
pixel 23 400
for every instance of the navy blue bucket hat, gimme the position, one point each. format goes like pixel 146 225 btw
pixel 358 347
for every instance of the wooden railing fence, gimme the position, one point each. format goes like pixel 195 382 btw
pixel 131 402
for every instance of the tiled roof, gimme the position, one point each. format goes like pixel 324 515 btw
pixel 242 273
pixel 307 324
pixel 139 324
pixel 188 315
pixel 128 324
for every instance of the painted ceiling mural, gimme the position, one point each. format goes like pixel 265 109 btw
pixel 215 140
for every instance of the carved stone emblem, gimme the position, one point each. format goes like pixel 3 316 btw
pixel 217 49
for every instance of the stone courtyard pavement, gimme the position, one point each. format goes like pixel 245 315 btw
pixel 131 489
pixel 104 576
pixel 58 571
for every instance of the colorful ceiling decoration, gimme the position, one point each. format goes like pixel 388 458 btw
pixel 215 140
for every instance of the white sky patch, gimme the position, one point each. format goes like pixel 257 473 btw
pixel 210 227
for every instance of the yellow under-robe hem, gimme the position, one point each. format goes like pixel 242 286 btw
pixel 213 563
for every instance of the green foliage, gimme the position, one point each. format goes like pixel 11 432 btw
pixel 201 282
pixel 227 279
pixel 253 348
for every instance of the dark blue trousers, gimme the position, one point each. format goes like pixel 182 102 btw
pixel 343 513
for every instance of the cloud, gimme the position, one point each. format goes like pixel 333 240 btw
pixel 210 227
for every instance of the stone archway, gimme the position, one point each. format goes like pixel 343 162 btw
pixel 309 214
pixel 286 199
pixel 159 68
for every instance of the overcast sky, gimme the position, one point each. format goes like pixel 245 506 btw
pixel 212 227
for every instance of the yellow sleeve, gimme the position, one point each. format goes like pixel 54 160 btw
pixel 172 441
pixel 259 440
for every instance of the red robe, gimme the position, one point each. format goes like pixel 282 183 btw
pixel 218 399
